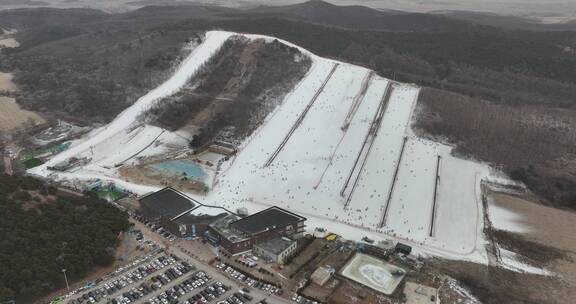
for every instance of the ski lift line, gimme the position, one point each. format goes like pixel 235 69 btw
pixel 301 117
pixel 254 134
pixel 142 150
pixel 372 140
pixel 435 197
pixel 372 131
pixel 330 162
pixel 366 138
pixel 393 184
pixel 180 136
pixel 358 100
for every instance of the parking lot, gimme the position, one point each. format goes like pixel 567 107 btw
pixel 240 291
pixel 296 298
pixel 130 283
pixel 247 280
pixel 172 276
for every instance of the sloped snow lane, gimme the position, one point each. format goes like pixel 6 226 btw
pixel 197 58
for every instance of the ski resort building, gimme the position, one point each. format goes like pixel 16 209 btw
pixel 236 235
pixel 179 214
pixel 275 250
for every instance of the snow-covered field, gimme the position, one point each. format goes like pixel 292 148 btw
pixel 308 174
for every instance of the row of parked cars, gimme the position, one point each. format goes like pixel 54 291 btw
pixel 123 279
pixel 302 300
pixel 156 282
pixel 271 289
pixel 171 295
pixel 209 293
pixel 159 229
pixel 239 297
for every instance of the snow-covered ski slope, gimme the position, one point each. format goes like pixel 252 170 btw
pixel 123 128
pixel 369 176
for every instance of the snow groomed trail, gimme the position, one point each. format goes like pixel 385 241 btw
pixel 304 152
pixel 199 56
pixel 366 148
pixel 358 99
pixel 301 117
pixel 393 183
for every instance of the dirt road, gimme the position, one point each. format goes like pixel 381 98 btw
pixel 8 166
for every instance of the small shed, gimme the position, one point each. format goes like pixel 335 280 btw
pixel 403 248
pixel 275 250
pixel 322 275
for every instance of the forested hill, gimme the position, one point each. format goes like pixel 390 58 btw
pixel 91 65
pixel 91 68
pixel 43 232
pixel 358 17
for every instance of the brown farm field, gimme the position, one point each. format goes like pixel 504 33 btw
pixel 548 227
pixel 13 117
pixel 6 83
pixel 547 241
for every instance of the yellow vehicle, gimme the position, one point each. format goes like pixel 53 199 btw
pixel 332 237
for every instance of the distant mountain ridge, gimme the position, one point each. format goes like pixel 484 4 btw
pixel 503 21
pixel 320 12
pixel 358 17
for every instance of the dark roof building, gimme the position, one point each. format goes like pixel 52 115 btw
pixel 403 248
pixel 266 220
pixel 186 217
pixel 237 235
pixel 194 216
pixel 181 215
pixel 167 203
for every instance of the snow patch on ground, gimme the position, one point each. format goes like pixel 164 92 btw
pixel 511 261
pixel 463 292
pixel 504 219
